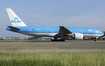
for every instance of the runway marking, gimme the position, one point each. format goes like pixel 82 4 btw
pixel 8 44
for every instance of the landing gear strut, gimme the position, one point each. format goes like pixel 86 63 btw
pixel 95 39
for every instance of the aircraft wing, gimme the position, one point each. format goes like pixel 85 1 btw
pixel 13 28
pixel 63 32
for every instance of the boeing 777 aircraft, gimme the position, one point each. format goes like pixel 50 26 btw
pixel 57 33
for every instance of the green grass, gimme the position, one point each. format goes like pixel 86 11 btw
pixel 53 59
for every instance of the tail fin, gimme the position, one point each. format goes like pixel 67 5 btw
pixel 14 19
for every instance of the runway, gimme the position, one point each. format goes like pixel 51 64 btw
pixel 48 46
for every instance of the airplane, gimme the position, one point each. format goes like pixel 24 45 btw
pixel 60 33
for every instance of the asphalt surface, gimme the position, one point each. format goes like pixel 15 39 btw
pixel 48 46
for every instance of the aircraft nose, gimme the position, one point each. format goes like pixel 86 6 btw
pixel 103 33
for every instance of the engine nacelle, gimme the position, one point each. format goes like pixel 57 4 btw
pixel 78 36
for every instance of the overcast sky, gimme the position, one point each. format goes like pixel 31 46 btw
pixel 69 13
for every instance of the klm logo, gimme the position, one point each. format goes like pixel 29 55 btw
pixel 16 20
pixel 90 30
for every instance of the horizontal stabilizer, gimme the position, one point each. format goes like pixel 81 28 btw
pixel 13 28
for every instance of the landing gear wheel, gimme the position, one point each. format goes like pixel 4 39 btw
pixel 57 40
pixel 62 40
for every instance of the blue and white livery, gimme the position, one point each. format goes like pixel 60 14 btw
pixel 57 33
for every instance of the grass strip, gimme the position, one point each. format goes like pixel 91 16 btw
pixel 53 59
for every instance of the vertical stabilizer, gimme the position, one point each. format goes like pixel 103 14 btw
pixel 14 19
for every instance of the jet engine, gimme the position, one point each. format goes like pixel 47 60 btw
pixel 78 36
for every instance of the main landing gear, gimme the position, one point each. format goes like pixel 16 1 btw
pixel 95 39
pixel 57 39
